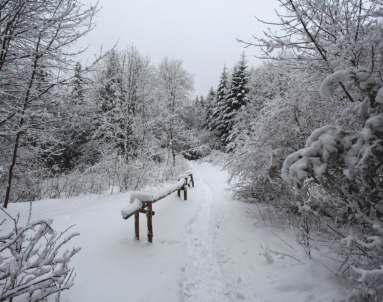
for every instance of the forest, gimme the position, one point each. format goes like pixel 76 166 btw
pixel 298 132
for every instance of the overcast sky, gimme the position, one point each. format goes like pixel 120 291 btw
pixel 201 33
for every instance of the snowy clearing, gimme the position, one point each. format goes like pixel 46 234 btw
pixel 209 248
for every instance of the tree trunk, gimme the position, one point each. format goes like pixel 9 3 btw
pixel 173 154
pixel 21 124
pixel 10 171
pixel 173 110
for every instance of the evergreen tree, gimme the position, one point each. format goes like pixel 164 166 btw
pixel 216 120
pixel 110 81
pixel 114 117
pixel 237 99
pixel 67 146
pixel 78 85
pixel 209 109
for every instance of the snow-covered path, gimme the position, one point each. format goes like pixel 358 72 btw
pixel 209 248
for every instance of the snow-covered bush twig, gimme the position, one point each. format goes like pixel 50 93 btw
pixel 33 264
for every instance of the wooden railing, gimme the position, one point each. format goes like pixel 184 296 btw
pixel 141 202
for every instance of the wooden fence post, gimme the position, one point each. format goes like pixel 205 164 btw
pixel 149 216
pixel 185 193
pixel 137 225
pixel 192 180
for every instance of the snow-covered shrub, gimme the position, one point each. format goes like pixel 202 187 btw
pixel 276 121
pixel 254 145
pixel 112 174
pixel 349 165
pixel 26 184
pixel 33 262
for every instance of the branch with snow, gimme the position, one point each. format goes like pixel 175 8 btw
pixel 329 144
pixel 33 264
pixel 370 277
pixel 334 80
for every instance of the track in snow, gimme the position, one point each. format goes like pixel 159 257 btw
pixel 226 246
pixel 202 276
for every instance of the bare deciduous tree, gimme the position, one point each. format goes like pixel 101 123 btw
pixel 175 86
pixel 34 61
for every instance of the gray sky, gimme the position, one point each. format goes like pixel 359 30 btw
pixel 201 33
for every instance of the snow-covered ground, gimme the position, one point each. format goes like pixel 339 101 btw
pixel 209 248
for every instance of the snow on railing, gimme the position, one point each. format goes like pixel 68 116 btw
pixel 142 202
pixel 137 199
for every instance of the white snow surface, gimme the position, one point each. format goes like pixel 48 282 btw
pixel 208 248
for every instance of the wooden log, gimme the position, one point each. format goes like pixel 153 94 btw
pixel 149 216
pixel 137 225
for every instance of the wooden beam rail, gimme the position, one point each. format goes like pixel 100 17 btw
pixel 143 203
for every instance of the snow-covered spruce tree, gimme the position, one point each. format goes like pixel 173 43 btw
pixel 34 264
pixel 216 124
pixel 68 147
pixel 209 109
pixel 78 84
pixel 236 100
pixel 114 115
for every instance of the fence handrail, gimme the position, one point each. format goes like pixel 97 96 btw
pixel 142 202
pixel 137 199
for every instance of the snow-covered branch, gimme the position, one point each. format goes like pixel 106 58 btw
pixel 33 264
